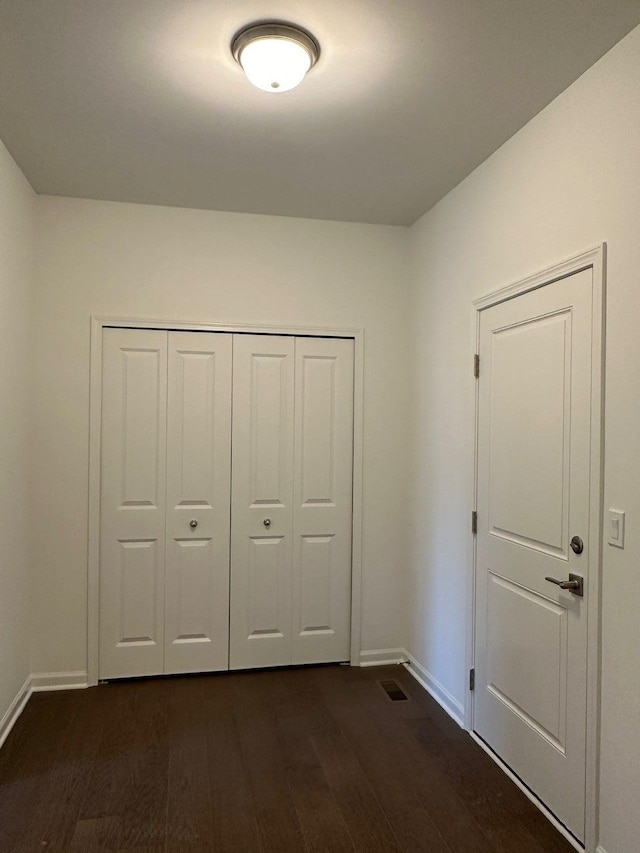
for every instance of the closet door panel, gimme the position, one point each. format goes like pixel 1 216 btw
pixel 132 522
pixel 198 502
pixel 323 465
pixel 262 478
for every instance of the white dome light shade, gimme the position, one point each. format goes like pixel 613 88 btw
pixel 275 57
pixel 275 64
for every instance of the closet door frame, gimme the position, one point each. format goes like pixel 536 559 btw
pixel 98 324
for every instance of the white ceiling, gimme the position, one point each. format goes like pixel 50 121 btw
pixel 141 100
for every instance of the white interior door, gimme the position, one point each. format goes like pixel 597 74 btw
pixel 323 463
pixel 198 502
pixel 132 502
pixel 262 501
pixel 533 497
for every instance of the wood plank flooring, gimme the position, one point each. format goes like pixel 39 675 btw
pixel 307 759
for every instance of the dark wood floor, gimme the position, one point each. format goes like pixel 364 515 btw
pixel 313 759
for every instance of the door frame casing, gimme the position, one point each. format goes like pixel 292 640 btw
pixel 98 324
pixel 594 259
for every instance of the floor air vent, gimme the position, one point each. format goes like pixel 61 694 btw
pixel 394 691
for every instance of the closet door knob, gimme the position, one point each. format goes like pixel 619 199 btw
pixel 267 522
pixel 193 524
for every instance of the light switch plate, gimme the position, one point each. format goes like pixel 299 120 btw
pixel 615 532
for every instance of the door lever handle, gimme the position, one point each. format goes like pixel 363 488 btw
pixel 575 584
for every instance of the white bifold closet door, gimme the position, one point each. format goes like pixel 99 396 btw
pixel 165 468
pixel 291 500
pixel 201 570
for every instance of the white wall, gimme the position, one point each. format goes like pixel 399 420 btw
pixel 152 262
pixel 568 181
pixel 16 345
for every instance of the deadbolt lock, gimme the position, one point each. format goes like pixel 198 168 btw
pixel 577 545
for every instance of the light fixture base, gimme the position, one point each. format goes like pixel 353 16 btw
pixel 275 29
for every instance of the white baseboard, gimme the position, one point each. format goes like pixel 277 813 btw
pixel 382 657
pixel 35 683
pixel 435 689
pixel 41 681
pixel 14 710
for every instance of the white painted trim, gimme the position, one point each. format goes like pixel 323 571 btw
pixel 357 499
pixel 596 259
pixel 600 849
pixel 435 689
pixel 45 681
pixel 590 258
pixel 95 416
pixel 35 683
pixel 93 527
pixel 529 794
pixel 381 657
pixel 470 598
pixel 14 710
pixel 240 328
pixel 594 624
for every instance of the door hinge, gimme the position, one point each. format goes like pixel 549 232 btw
pixel 476 365
pixel 472 679
pixel 474 522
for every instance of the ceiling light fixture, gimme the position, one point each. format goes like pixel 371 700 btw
pixel 275 57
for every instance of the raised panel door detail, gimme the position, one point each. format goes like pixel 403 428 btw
pixel 137 593
pixel 194 397
pixel 198 501
pixel 316 568
pixel 318 435
pixel 141 426
pixel 200 600
pixel 530 429
pixel 132 502
pixel 265 617
pixel 529 674
pixel 269 447
pixel 196 594
pixel 199 422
